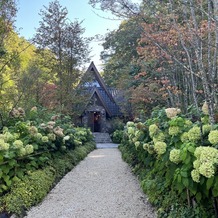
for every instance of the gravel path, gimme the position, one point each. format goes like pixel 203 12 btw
pixel 102 185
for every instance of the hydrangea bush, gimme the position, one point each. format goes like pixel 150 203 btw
pixel 184 153
pixel 29 143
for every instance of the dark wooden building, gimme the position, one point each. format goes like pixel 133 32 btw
pixel 100 102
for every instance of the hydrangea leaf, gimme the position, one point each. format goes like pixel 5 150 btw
pixel 209 182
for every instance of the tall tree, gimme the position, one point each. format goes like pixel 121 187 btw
pixel 180 39
pixel 120 54
pixel 64 39
pixel 8 11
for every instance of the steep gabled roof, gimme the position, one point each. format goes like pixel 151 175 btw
pixel 93 85
pixel 92 68
pixel 96 92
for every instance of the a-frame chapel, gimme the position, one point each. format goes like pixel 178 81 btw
pixel 100 102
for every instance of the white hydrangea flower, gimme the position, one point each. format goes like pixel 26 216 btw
pixel 44 139
pixel 213 137
pixel 194 134
pixel 18 144
pixel 153 130
pixel 29 149
pixel 160 147
pixel 172 112
pixel 205 108
pixel 175 156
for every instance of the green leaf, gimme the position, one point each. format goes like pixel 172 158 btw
pixel 202 180
pixel 188 159
pixel 4 187
pixel 20 173
pixel 215 192
pixel 191 149
pixel 35 146
pixel 179 178
pixel 12 162
pixel 184 174
pixel 183 155
pixel 185 182
pixel 198 196
pixel 193 188
pixel 209 182
pixel 180 187
pixel 5 169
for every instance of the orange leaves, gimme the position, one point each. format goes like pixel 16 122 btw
pixel 142 74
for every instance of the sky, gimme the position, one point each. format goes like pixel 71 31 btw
pixel 28 18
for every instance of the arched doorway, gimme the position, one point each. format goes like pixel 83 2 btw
pixel 95 119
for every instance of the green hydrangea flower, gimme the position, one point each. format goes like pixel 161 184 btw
pixel 3 145
pixel 195 175
pixel 153 130
pixel 194 134
pixel 197 152
pixel 8 137
pixel 131 130
pixel 22 152
pixel 160 147
pixel 175 156
pixel 2 141
pixel 130 123
pixel 18 144
pixel 213 137
pixel 206 128
pixel 196 164
pixel 174 130
pixel 134 139
pixel 137 144
pixel 160 137
pixel 207 158
pixel 151 149
pixel 16 136
pixel 38 136
pixel 139 134
pixel 205 154
pixel 2 137
pixel 145 146
pixel 184 137
pixel 45 139
pixel 5 129
pixel 33 130
pixel 207 170
pixel 29 149
pixel 52 136
pixel 188 123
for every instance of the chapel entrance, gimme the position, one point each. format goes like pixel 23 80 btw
pixel 94 121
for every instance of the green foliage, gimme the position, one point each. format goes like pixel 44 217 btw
pixel 117 136
pixel 28 144
pixel 30 189
pixel 116 124
pixel 175 161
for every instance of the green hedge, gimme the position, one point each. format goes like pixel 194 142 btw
pixel 176 159
pixel 33 187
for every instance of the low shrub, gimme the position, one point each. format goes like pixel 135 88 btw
pixel 117 136
pixel 29 191
pixel 33 187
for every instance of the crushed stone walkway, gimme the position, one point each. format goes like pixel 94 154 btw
pixel 102 185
